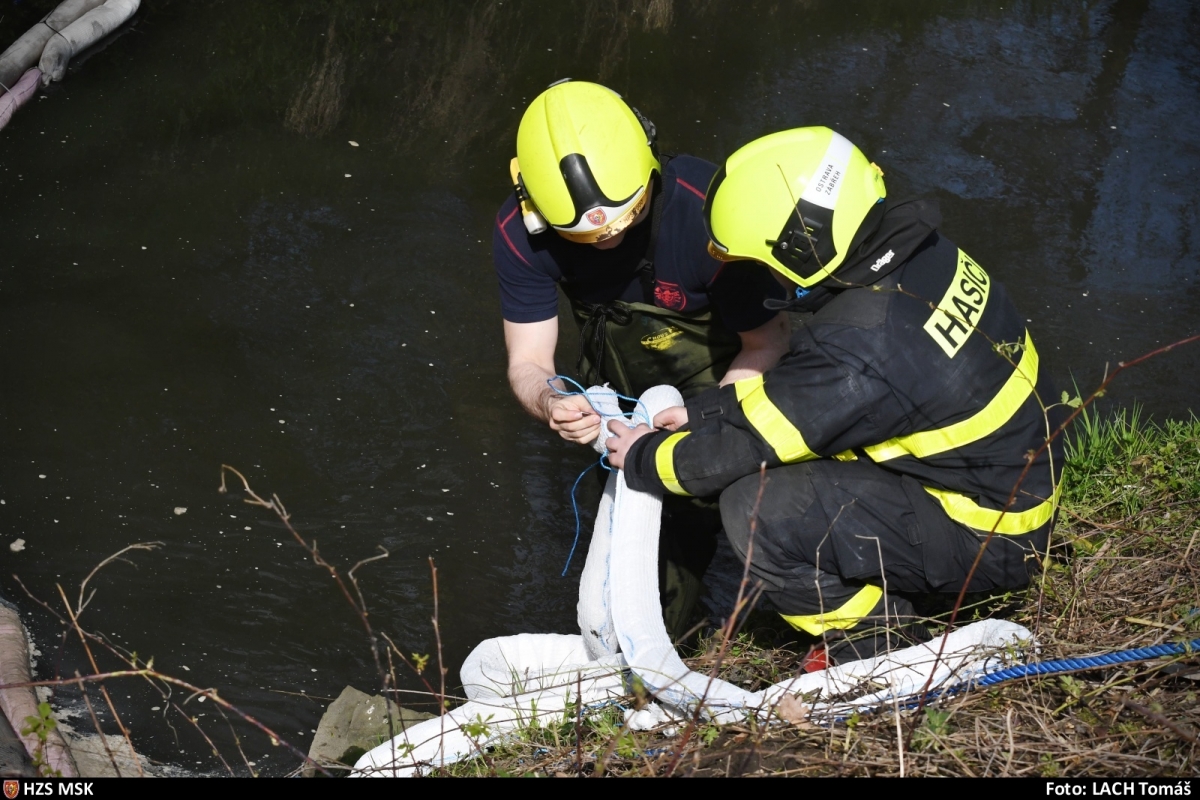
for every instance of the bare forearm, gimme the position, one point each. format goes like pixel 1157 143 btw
pixel 761 350
pixel 749 363
pixel 528 382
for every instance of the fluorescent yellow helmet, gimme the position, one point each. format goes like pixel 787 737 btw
pixel 799 201
pixel 585 159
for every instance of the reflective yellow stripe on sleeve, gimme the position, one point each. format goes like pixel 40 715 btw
pixel 770 422
pixel 991 418
pixel 664 462
pixel 849 615
pixel 961 508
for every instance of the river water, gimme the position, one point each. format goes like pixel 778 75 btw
pixel 258 234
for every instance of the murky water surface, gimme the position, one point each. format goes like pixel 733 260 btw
pixel 199 268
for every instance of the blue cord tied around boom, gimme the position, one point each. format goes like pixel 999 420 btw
pixel 639 415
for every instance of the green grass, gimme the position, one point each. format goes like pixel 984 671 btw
pixel 1119 466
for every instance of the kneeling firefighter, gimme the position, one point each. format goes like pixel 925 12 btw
pixel 599 213
pixel 908 422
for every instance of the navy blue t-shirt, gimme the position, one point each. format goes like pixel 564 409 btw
pixel 687 278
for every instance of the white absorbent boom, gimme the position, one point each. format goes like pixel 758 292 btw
pixel 512 680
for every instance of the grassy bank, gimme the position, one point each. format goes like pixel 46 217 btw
pixel 1125 573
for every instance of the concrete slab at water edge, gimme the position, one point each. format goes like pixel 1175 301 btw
pixel 14 761
pixel 354 723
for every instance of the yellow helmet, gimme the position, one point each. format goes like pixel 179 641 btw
pixel 799 201
pixel 585 159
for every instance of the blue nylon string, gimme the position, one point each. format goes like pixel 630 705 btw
pixel 640 414
pixel 575 508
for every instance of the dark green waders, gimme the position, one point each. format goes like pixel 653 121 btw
pixel 631 347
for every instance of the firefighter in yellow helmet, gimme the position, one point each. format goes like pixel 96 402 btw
pixel 599 214
pixel 906 426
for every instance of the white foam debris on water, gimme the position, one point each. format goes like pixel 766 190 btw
pixel 180 511
pixel 353 143
pixel 17 546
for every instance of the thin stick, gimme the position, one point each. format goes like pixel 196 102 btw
pixel 196 724
pixel 1154 716
pixel 99 730
pixel 103 690
pixel 276 505
pixel 731 625
pixel 579 723
pixel 437 635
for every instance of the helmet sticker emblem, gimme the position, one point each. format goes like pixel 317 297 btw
pixel 826 182
pixel 669 295
pixel 597 216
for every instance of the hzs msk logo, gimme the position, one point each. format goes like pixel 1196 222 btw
pixel 11 788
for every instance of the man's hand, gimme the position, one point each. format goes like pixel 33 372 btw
pixel 622 439
pixel 572 416
pixel 671 419
pixel 531 369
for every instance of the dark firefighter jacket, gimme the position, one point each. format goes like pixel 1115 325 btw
pixel 929 372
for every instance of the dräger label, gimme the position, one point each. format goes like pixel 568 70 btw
pixel 959 311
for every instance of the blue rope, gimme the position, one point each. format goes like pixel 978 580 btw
pixel 1063 665
pixel 640 414
pixel 1058 667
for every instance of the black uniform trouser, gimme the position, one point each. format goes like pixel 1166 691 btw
pixel 686 546
pixel 827 529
